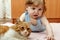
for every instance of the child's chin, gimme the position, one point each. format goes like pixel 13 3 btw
pixel 35 17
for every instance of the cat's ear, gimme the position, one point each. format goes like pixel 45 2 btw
pixel 18 21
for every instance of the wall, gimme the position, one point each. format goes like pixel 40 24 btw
pixel 53 8
pixel 5 5
pixel 18 7
pixel 52 13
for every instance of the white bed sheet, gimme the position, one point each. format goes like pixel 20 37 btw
pixel 42 35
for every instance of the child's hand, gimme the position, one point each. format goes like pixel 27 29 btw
pixel 50 37
pixel 33 22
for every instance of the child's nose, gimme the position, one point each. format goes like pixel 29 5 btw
pixel 36 11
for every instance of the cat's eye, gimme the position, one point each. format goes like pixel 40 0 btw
pixel 22 28
pixel 28 28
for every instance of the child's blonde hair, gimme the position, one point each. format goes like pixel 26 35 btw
pixel 36 2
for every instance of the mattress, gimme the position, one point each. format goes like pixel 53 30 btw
pixel 42 35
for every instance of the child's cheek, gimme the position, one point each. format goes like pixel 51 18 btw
pixel 40 13
pixel 30 11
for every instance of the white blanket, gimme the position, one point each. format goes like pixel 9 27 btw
pixel 42 35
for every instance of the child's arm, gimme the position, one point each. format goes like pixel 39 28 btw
pixel 48 27
pixel 22 17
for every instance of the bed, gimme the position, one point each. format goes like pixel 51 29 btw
pixel 42 35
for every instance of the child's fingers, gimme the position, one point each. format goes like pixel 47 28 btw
pixel 50 38
pixel 33 23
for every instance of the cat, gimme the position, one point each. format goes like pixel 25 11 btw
pixel 18 31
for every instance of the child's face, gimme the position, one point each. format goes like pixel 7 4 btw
pixel 35 11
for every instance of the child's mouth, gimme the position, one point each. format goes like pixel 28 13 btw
pixel 35 15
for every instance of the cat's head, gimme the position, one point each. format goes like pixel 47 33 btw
pixel 23 28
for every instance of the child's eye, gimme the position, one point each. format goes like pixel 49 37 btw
pixel 33 8
pixel 40 9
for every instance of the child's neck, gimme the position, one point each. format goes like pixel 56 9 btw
pixel 33 18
